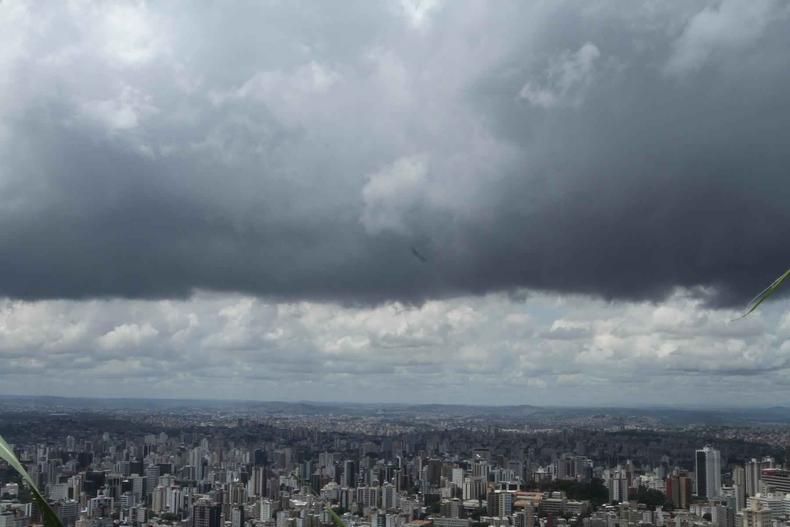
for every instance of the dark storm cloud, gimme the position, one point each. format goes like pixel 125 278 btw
pixel 303 152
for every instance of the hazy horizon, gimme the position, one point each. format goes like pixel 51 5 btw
pixel 328 402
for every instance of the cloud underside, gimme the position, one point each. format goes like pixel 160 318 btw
pixel 306 153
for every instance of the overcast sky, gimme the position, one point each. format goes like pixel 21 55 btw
pixel 559 202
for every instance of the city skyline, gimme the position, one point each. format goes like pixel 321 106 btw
pixel 209 467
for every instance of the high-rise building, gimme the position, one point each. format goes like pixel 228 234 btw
pixel 564 467
pixel 474 488
pixel 678 490
pixel 618 487
pixel 480 469
pixel 378 519
pixel 349 474
pixel 174 499
pixel 524 518
pixel 500 503
pixel 754 469
pixel 389 498
pixel 267 510
pixel 776 479
pixel 100 507
pixel 452 508
pixel 770 501
pixel 14 518
pixel 722 515
pixel 731 497
pixel 707 473
pixel 755 515
pixel 434 472
pixel 326 459
pixel 368 496
pixel 68 511
pixel 458 476
pixel 205 513
pixel 739 484
pixel 152 473
pixel 256 486
pixel 159 499
pixel 237 516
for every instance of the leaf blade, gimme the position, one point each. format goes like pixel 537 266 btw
pixel 766 293
pixel 48 514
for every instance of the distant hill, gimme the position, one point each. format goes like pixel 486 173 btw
pixel 516 413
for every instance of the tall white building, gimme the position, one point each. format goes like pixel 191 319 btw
pixel 458 476
pixel 707 473
pixel 389 498
pixel 267 510
pixel 755 515
pixel 739 485
pixel 618 487
pixel 773 502
pixel 754 469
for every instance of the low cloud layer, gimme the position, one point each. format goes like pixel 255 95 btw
pixel 494 349
pixel 300 152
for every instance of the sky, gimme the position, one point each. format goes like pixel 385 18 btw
pixel 545 202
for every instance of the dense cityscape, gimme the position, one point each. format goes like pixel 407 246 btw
pixel 149 464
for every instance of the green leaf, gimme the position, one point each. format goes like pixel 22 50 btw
pixel 335 518
pixel 50 518
pixel 767 292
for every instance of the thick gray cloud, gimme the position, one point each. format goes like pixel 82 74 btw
pixel 301 151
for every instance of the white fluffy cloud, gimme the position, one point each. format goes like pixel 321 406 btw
pixel 128 337
pixel 490 349
pixel 721 29
pixel 565 78
pixel 392 194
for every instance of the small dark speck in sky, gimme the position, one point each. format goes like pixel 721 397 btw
pixel 419 256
